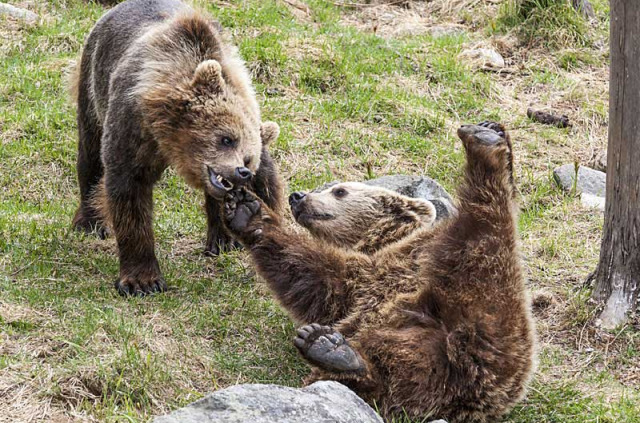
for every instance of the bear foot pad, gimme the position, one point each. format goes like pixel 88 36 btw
pixel 486 133
pixel 327 349
pixel 494 126
pixel 239 208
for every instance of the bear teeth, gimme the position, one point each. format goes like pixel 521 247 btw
pixel 218 181
pixel 226 184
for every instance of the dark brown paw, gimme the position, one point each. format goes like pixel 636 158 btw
pixel 241 210
pixel 489 143
pixel 140 285
pixel 90 225
pixel 220 243
pixel 327 349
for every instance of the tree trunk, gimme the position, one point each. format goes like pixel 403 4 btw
pixel 618 275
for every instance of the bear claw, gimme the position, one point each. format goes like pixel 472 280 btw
pixel 219 244
pixel 327 349
pixel 494 126
pixel 128 286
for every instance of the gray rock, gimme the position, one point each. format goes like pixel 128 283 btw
pixel 446 31
pixel 18 13
pixel 483 57
pixel 592 201
pixel 592 182
pixel 321 402
pixel 418 187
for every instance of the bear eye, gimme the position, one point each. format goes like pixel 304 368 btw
pixel 339 192
pixel 227 141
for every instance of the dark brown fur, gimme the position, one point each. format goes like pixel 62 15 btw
pixel 158 85
pixel 439 321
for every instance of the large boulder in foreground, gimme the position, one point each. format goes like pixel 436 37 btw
pixel 321 402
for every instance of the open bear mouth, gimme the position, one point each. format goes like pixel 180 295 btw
pixel 218 181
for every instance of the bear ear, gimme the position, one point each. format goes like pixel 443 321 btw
pixel 269 132
pixel 208 75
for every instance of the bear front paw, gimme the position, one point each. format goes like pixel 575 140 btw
pixel 242 212
pixel 140 284
pixel 220 242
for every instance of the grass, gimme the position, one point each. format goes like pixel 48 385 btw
pixel 551 22
pixel 353 103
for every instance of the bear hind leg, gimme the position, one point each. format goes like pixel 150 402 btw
pixel 90 169
pixel 489 173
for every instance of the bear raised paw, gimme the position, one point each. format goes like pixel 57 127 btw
pixel 426 320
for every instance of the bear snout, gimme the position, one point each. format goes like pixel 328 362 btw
pixel 295 201
pixel 242 175
pixel 296 198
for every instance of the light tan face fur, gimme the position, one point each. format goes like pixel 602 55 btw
pixel 344 213
pixel 207 128
pixel 219 140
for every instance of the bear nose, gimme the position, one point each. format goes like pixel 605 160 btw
pixel 296 198
pixel 243 174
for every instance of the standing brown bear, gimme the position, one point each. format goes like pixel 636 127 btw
pixel 159 86
pixel 435 324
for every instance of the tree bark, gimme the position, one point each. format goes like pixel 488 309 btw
pixel 617 278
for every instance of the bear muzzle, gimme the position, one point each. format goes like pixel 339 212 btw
pixel 218 181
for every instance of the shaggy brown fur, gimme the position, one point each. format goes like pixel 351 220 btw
pixel 159 86
pixel 436 324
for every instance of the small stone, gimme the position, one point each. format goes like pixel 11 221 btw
pixel 324 401
pixel 592 201
pixel 445 31
pixel 274 92
pixel 409 28
pixel 589 181
pixel 483 57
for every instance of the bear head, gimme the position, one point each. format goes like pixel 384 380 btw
pixel 347 213
pixel 208 128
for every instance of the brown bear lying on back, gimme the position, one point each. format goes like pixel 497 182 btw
pixel 158 85
pixel 424 320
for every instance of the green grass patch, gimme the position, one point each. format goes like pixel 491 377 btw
pixel 551 23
